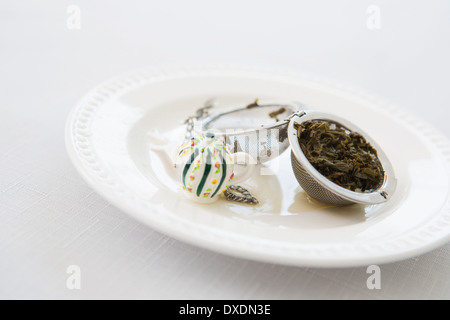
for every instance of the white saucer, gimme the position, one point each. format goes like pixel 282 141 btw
pixel 107 141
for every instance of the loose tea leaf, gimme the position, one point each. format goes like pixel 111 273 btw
pixel 254 104
pixel 343 157
pixel 275 114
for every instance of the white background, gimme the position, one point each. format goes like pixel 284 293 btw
pixel 50 219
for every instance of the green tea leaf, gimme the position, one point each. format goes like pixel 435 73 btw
pixel 343 157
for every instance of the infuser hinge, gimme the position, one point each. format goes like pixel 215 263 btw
pixel 295 114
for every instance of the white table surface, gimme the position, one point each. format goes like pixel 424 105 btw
pixel 50 218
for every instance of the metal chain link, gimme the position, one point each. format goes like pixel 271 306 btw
pixel 190 122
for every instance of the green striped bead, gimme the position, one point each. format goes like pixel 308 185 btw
pixel 205 168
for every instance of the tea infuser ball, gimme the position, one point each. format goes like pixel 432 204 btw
pixel 321 188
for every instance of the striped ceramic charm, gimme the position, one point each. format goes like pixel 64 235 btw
pixel 205 167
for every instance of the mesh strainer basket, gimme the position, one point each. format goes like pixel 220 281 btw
pixel 324 190
pixel 266 141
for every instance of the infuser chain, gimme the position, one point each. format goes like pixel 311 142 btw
pixel 200 114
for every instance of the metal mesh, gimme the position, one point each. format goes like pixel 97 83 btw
pixel 312 187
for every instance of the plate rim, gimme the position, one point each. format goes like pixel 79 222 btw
pixel 79 147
